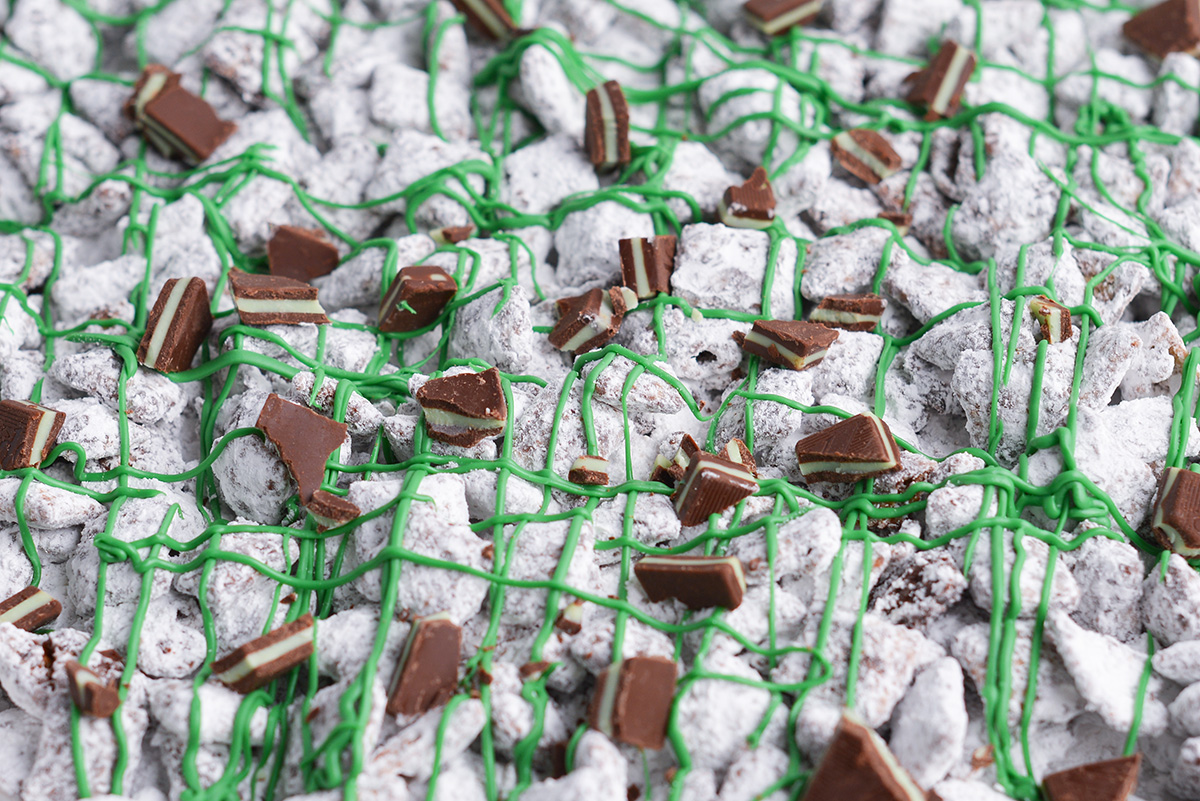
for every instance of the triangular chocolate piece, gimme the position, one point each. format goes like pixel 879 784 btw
pixel 304 438
pixel 859 767
pixel 1111 780
pixel 861 447
pixel 751 205
pixel 1170 27
pixel 301 253
pixel 464 409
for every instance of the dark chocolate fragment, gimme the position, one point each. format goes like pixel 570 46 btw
pixel 331 510
pixel 274 300
pixel 670 471
pixel 606 127
pixel 91 696
pixel 700 582
pixel 264 659
pixel 858 766
pixel 1055 319
pixel 1170 27
pixel 178 123
pixel 751 205
pixel 710 486
pixel 865 154
pixel 632 701
pixel 304 438
pixel 857 312
pixel 27 433
pixel 939 86
pixel 301 253
pixel 570 620
pixel 737 451
pixel 1110 780
pixel 850 450
pixel 588 321
pixel 427 674
pixel 647 263
pixel 794 344
pixel 589 470
pixel 773 17
pixel 30 609
pixel 1177 511
pixel 464 409
pixel 416 298
pixel 452 234
pixel 489 17
pixel 177 326
pixel 901 219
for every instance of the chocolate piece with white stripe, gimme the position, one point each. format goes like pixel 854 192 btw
pixel 588 321
pixel 1170 27
pixel 415 299
pixel 606 127
pixel 773 17
pixel 1055 319
pixel 849 450
pixel 570 619
pixel 30 609
pixel 301 253
pixel 700 582
pixel 1110 780
pixel 939 86
pixel 669 471
pixel 427 673
pixel 737 451
pixel 304 438
pixel 710 486
pixel 91 695
pixel 751 205
pixel 632 701
pixel 793 344
pixel 859 765
pixel 464 409
pixel 274 300
pixel 27 433
pixel 331 510
pixel 266 658
pixel 489 17
pixel 857 312
pixel 647 264
pixel 865 154
pixel 177 326
pixel 178 123
pixel 1177 511
pixel 589 470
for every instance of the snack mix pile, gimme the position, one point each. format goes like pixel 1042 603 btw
pixel 599 400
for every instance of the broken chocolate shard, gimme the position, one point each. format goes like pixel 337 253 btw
pixel 452 234
pixel 178 123
pixel 737 451
pixel 857 312
pixel 774 17
pixel 1170 27
pixel 865 154
pixel 416 298
pixel 700 582
pixel 177 326
pixel 570 620
pixel 1054 318
pixel 301 253
pixel 331 510
pixel 489 17
pixel 427 673
pixel 590 320
pixel 647 263
pixel 90 695
pixel 264 659
pixel 1177 511
pixel 632 701
pixel 274 300
pixel 858 765
pixel 464 409
pixel 28 432
pixel 793 344
pixel 710 486
pixel 589 470
pixel 901 219
pixel 849 450
pixel 1110 780
pixel 751 205
pixel 304 439
pixel 30 609
pixel 606 127
pixel 939 86
pixel 669 471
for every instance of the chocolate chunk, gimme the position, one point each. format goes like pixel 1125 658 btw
pixel 858 312
pixel 858 766
pixel 589 470
pixel 647 263
pixel 533 670
pixel 1177 511
pixel 710 486
pixel 331 510
pixel 588 321
pixel 452 234
pixel 264 659
pixel 427 674
pixel 776 16
pixel 570 620
pixel 669 472
pixel 27 433
pixel 939 86
pixel 1110 780
pixel 861 447
pixel 632 701
pixel 606 127
pixel 464 409
pixel 177 326
pixel 700 582
pixel 304 439
pixel 91 695
pixel 301 253
pixel 489 17
pixel 178 123
pixel 274 300
pixel 901 219
pixel 30 609
pixel 794 344
pixel 416 298
pixel 865 154
pixel 751 205
pixel 1170 27
pixel 1055 319
pixel 737 451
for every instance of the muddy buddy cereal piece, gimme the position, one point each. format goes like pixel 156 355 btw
pixel 789 343
pixel 274 300
pixel 647 263
pixel 427 673
pixel 301 253
pixel 464 409
pixel 632 701
pixel 1170 27
pixel 751 205
pixel 1114 779
pixel 416 298
pixel 178 123
pixel 28 433
pixel 178 325
pixel 606 131
pixel 939 87
pixel 699 582
pixel 30 609
pixel 260 661
pixel 859 447
pixel 865 154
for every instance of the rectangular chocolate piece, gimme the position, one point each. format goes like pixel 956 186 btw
pixel 416 298
pixel 793 344
pixel 632 701
pixel 589 470
pixel 1176 522
pixel 464 409
pixel 274 300
pixel 848 451
pixel 590 320
pixel 1110 780
pixel 489 17
pixel 606 127
pixel 774 17
pixel 30 609
pixel 710 486
pixel 178 123
pixel 1055 319
pixel 301 253
pixel 264 659
pixel 751 205
pixel 857 312
pixel 427 674
pixel 304 439
pixel 700 582
pixel 865 154
pixel 859 765
pixel 91 695
pixel 1170 27
pixel 647 264
pixel 27 433
pixel 939 86
pixel 177 326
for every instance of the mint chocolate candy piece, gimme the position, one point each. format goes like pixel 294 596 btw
pixel 606 127
pixel 751 205
pixel 178 123
pixel 939 86
pixel 264 659
pixel 427 674
pixel 700 582
pixel 858 766
pixel 416 298
pixel 177 326
pixel 632 701
pixel 464 409
pixel 1177 511
pixel 1170 27
pixel 301 253
pixel 274 300
pixel 304 439
pixel 669 471
pixel 710 486
pixel 590 320
pixel 865 154
pixel 91 696
pixel 589 471
pixel 331 510
pixel 853 449
pixel 1054 318
pixel 857 312
pixel 647 263
pixel 793 344
pixel 1110 780
pixel 489 17
pixel 773 17
pixel 30 609
pixel 28 432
